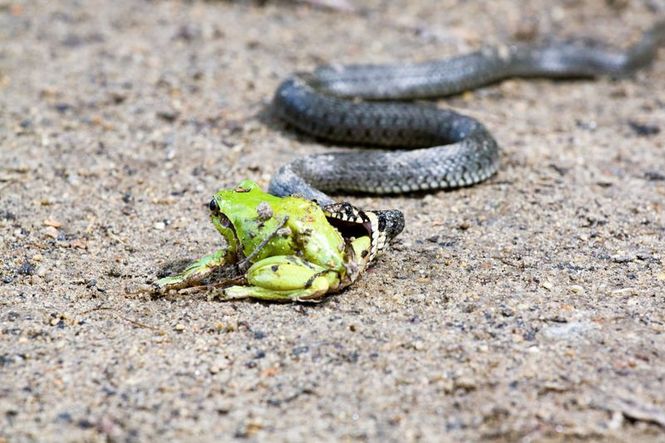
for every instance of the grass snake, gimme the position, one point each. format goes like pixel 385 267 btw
pixel 438 148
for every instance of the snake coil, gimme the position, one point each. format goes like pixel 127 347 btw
pixel 439 148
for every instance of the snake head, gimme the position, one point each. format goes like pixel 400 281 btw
pixel 380 226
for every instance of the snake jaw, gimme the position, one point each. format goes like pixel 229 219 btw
pixel 380 226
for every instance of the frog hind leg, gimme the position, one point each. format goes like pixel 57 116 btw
pixel 285 278
pixel 259 293
pixel 195 272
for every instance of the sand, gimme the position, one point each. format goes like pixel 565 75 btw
pixel 530 307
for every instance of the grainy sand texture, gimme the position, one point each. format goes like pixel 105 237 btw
pixel 530 307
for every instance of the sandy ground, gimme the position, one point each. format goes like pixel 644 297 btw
pixel 531 307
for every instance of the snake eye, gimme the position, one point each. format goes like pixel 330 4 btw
pixel 214 207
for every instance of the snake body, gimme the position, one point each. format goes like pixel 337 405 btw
pixel 439 148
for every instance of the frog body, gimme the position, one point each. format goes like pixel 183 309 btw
pixel 286 248
pixel 255 216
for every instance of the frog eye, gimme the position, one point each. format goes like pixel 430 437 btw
pixel 214 207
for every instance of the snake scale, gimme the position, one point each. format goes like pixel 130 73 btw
pixel 438 148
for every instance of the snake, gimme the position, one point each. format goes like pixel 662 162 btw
pixel 424 147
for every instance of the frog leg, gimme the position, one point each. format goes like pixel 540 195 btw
pixel 285 278
pixel 196 271
pixel 356 259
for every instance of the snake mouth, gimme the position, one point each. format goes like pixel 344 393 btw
pixel 350 221
pixel 350 229
pixel 380 226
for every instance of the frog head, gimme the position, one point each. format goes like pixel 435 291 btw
pixel 246 217
pixel 228 207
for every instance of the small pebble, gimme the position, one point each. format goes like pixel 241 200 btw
pixel 576 289
pixel 643 129
pixel 622 258
pixel 264 211
pixel 50 231
pixel 625 292
pixel 27 268
pixel 52 222
pixel 654 176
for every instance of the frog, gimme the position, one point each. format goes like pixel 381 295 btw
pixel 288 248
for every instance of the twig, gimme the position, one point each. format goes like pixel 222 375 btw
pixel 101 307
pixel 262 245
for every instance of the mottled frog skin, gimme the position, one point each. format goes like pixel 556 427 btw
pixel 286 248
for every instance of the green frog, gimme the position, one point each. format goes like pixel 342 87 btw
pixel 288 248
